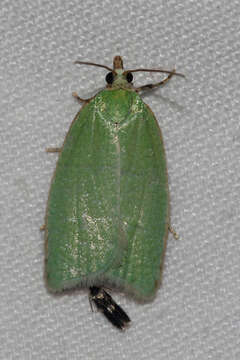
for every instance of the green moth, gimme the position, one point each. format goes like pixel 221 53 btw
pixel 107 217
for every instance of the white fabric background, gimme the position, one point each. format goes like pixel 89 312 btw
pixel 196 314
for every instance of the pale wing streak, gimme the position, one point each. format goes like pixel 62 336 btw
pixel 118 173
pixel 140 212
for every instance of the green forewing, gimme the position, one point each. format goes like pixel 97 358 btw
pixel 107 212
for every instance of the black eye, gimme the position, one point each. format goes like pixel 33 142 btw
pixel 129 77
pixel 109 78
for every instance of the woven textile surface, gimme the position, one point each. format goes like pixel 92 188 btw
pixel 196 313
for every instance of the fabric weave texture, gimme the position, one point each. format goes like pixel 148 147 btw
pixel 196 313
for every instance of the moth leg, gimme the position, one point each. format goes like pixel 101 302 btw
pixel 43 227
pixel 173 232
pixel 52 150
pixel 75 95
pixel 160 83
pixel 90 299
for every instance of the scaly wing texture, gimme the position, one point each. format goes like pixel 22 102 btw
pixel 144 208
pixel 108 204
pixel 83 215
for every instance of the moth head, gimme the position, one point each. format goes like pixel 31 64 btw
pixel 118 77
